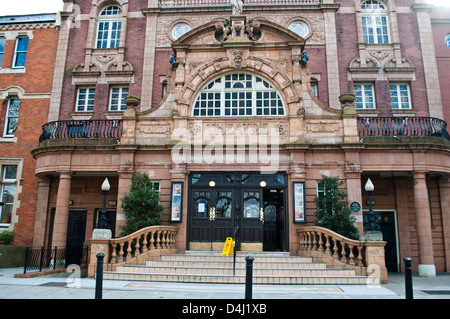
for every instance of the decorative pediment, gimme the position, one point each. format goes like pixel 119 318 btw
pixel 364 65
pixel 231 32
pixel 405 66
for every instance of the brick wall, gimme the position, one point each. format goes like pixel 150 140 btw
pixel 33 114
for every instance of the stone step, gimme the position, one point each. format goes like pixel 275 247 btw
pixel 229 264
pixel 238 279
pixel 212 267
pixel 240 258
pixel 238 271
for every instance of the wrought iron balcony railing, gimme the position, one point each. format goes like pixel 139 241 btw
pixel 81 129
pixel 196 3
pixel 402 126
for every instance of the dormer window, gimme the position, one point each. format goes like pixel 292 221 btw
pixel 109 26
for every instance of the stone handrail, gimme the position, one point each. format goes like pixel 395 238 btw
pixel 149 242
pixel 340 251
pixel 141 241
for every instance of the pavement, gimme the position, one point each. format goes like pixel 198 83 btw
pixel 71 286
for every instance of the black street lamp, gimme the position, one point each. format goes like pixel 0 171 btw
pixel 102 223
pixel 371 225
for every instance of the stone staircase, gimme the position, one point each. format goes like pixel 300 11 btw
pixel 210 267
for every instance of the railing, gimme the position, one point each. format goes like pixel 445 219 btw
pixel 327 242
pixel 186 3
pixel 44 258
pixel 402 126
pixel 81 129
pixel 149 238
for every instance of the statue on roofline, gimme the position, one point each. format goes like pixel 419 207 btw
pixel 237 7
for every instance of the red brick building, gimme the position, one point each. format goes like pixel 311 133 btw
pixel 27 57
pixel 243 120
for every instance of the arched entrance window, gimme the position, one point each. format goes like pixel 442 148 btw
pixel 238 94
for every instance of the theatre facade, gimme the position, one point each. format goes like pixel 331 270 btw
pixel 236 115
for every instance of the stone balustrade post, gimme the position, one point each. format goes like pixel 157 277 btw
pixel 98 246
pixel 375 260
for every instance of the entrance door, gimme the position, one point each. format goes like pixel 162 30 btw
pixel 386 221
pixel 212 215
pixel 76 230
pixel 220 202
pixel 252 218
pixel 273 219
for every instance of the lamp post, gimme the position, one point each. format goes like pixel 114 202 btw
pixel 372 225
pixel 102 223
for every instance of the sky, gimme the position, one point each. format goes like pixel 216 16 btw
pixel 18 7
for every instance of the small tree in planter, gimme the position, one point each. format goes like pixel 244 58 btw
pixel 332 208
pixel 141 205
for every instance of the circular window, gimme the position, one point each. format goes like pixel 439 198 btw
pixel 447 41
pixel 180 29
pixel 299 27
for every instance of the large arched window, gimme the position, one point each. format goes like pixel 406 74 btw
pixel 375 22
pixel 109 25
pixel 238 94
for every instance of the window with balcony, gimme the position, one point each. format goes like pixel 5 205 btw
pixel 109 27
pixel 375 22
pixel 8 180
pixel 400 96
pixel 239 94
pixel 85 99
pixel 12 117
pixel 364 96
pixel 117 98
pixel 20 53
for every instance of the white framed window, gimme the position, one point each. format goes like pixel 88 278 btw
pixel 238 94
pixel 315 89
pixel 2 49
pixel 85 99
pixel 8 180
pixel 117 98
pixel 20 53
pixel 109 26
pixel 180 29
pixel 364 96
pixel 12 118
pixel 299 27
pixel 400 96
pixel 375 22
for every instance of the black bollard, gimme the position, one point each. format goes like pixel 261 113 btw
pixel 248 277
pixel 408 279
pixel 99 279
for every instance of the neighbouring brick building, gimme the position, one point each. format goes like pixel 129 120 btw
pixel 27 58
pixel 237 127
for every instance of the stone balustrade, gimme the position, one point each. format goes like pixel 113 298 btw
pixel 149 242
pixel 366 257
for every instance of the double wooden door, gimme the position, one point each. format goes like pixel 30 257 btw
pixel 217 212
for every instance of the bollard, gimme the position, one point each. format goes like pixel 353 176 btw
pixel 408 279
pixel 248 277
pixel 99 277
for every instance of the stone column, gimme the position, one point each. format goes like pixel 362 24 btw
pixel 62 210
pixel 41 212
pixel 433 92
pixel 444 192
pixel 423 220
pixel 331 54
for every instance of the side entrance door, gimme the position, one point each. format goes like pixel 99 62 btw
pixel 76 231
pixel 386 221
